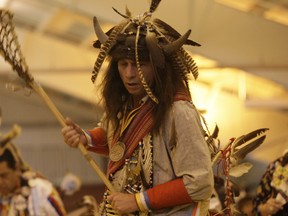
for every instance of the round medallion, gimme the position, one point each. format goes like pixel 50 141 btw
pixel 117 151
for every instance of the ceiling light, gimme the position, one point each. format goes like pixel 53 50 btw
pixel 3 3
pixel 243 5
pixel 277 14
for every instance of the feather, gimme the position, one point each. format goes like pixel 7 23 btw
pixel 153 6
pixel 215 132
pixel 247 143
pixel 155 51
pixel 240 153
pixel 109 43
pixel 240 169
pixel 169 30
pixel 190 64
pixel 124 16
pixel 141 76
pixel 245 138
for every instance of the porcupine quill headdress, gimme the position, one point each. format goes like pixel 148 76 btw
pixel 142 39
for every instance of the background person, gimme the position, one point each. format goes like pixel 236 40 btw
pixel 272 192
pixel 22 191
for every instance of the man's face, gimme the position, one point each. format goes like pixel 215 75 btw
pixel 130 76
pixel 9 179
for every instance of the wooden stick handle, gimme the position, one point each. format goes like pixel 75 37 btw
pixel 10 50
pixel 40 91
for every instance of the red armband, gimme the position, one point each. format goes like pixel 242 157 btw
pixel 169 194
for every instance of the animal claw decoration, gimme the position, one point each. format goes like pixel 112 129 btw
pixel 11 51
pixel 161 39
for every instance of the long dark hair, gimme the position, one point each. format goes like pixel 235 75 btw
pixel 167 82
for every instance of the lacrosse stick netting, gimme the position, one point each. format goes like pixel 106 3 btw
pixel 10 48
pixel 11 51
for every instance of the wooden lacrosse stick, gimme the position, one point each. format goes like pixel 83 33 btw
pixel 10 50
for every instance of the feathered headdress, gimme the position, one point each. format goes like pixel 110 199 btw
pixel 141 38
